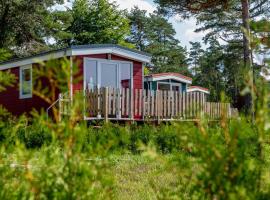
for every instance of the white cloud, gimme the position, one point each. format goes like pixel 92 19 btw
pixel 185 31
pixel 190 27
pixel 142 4
pixel 193 36
pixel 63 7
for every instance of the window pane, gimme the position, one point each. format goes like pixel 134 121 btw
pixel 91 74
pixel 27 74
pixel 175 88
pixel 108 75
pixel 26 81
pixel 164 86
pixel 125 75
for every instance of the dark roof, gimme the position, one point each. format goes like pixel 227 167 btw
pixel 94 46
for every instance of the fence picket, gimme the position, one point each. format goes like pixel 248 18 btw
pixel 144 101
pixel 123 101
pixel 157 98
pixel 136 102
pixel 127 102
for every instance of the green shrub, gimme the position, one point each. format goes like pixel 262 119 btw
pixel 35 135
pixel 167 139
pixel 140 135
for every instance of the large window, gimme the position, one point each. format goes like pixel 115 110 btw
pixel 170 86
pixel 164 86
pixel 125 75
pixel 26 82
pixel 90 72
pixel 107 73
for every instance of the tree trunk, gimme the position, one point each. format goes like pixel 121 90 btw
pixel 249 104
pixel 246 33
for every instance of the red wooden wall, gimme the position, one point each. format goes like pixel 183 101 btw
pixel 11 101
pixel 10 98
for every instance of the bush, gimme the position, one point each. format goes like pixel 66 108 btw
pixel 34 135
pixel 5 123
pixel 167 139
pixel 140 135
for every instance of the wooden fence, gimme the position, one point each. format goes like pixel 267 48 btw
pixel 138 104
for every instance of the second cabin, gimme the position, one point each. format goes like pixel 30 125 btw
pixel 167 81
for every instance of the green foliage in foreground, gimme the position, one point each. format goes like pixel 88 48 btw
pixel 69 160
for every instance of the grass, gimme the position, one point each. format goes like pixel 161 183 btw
pixel 141 177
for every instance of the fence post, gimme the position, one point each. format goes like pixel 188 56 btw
pixel 98 99
pixel 118 104
pixel 60 107
pixel 143 103
pixel 105 105
pixel 131 110
pixel 203 106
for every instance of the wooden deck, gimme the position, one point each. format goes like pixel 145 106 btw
pixel 138 104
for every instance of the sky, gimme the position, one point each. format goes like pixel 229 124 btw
pixel 184 29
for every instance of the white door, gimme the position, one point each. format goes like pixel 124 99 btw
pixel 106 73
pixel 90 74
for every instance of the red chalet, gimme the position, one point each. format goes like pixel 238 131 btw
pixel 112 81
pixel 99 66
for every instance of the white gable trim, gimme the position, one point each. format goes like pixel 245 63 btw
pixel 76 52
pixel 112 50
pixel 35 59
pixel 198 90
pixel 176 78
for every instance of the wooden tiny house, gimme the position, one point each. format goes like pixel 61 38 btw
pixel 99 66
pixel 167 81
pixel 198 89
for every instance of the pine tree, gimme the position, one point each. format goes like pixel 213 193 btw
pixel 195 54
pixel 155 35
pixel 211 70
pixel 23 25
pixel 138 25
pixel 223 18
pixel 95 22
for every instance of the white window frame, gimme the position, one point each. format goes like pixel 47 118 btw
pixel 170 84
pixel 98 70
pixel 163 83
pixel 26 96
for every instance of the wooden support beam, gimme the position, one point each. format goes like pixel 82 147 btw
pixel 105 108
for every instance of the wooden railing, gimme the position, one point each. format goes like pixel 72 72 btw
pixel 64 105
pixel 138 104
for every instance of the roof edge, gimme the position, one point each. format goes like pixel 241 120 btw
pixel 172 74
pixel 70 51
